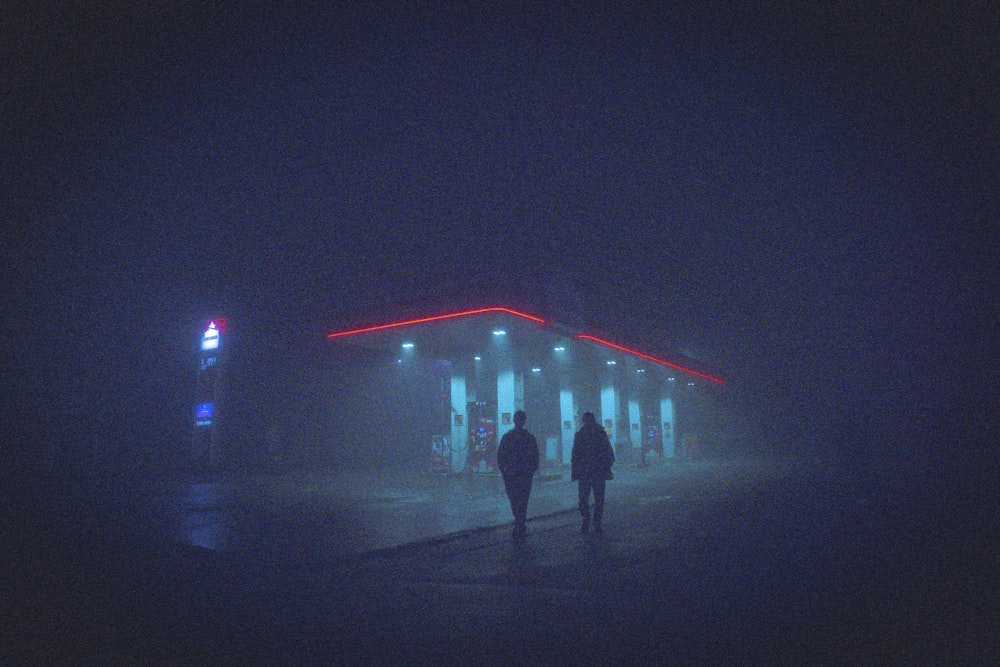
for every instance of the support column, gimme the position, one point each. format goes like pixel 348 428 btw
pixel 634 423
pixel 506 396
pixel 567 422
pixel 459 423
pixel 567 407
pixel 667 430
pixel 609 412
pixel 518 391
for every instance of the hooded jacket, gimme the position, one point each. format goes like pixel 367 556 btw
pixel 592 454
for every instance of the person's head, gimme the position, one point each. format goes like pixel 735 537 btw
pixel 588 419
pixel 520 418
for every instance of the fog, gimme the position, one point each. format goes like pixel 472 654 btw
pixel 804 200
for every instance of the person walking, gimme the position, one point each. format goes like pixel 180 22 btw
pixel 592 459
pixel 517 458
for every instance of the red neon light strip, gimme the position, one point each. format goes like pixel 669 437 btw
pixel 465 313
pixel 649 358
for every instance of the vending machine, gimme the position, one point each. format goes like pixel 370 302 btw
pixel 482 437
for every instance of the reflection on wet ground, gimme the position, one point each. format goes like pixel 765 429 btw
pixel 331 516
pixel 718 563
pixel 324 517
pixel 204 514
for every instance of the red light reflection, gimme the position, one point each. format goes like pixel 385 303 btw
pixel 422 320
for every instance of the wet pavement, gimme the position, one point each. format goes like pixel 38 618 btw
pixel 712 562
pixel 325 517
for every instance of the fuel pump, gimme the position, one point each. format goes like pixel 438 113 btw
pixel 440 453
pixel 482 437
pixel 651 440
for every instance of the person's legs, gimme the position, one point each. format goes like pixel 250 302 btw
pixel 519 529
pixel 510 485
pixel 518 491
pixel 583 492
pixel 598 504
pixel 511 489
pixel 519 502
pixel 525 494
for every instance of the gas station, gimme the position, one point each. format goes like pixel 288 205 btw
pixel 481 365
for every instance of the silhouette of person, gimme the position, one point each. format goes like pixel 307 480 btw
pixel 517 458
pixel 592 459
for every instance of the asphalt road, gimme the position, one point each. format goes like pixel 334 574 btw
pixel 724 563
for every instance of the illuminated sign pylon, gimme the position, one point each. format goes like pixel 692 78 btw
pixel 205 447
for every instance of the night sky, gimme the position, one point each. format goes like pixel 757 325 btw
pixel 803 198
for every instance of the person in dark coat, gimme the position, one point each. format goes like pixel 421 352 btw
pixel 591 466
pixel 517 458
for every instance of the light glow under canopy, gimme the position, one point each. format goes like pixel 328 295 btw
pixel 538 320
pixel 436 318
pixel 647 357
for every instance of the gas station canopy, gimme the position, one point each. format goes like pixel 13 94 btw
pixel 535 342
pixel 482 365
